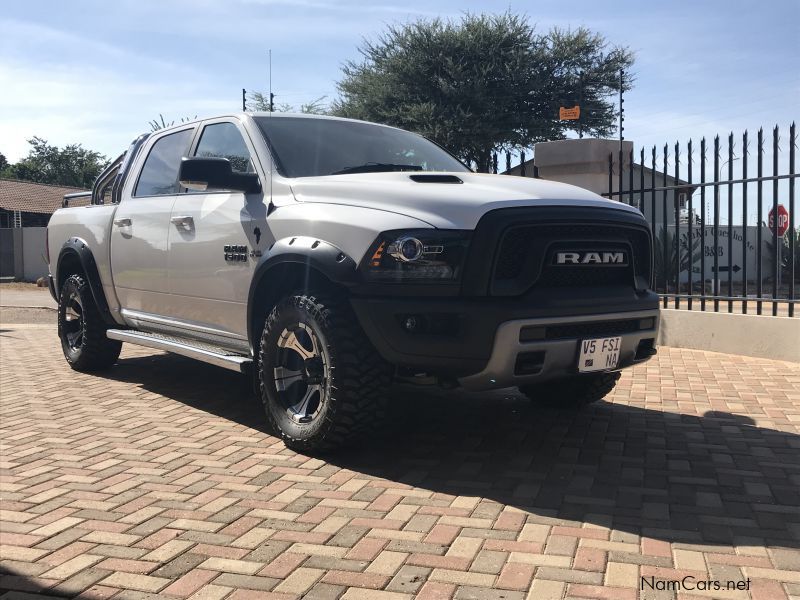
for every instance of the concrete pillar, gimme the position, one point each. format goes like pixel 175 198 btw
pixel 581 162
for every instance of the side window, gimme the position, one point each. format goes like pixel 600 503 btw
pixel 159 175
pixel 223 140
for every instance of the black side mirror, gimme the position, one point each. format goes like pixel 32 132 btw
pixel 205 173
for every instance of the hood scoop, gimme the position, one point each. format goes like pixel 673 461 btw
pixel 435 178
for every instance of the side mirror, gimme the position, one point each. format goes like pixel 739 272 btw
pixel 204 173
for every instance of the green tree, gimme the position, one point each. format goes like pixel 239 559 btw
pixel 3 164
pixel 487 83
pixel 259 102
pixel 72 165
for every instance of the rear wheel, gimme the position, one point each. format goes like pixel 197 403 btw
pixel 322 383
pixel 574 392
pixel 82 329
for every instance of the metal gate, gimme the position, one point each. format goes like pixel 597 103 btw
pixel 701 262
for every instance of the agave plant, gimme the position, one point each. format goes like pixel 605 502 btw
pixel 157 124
pixel 664 261
pixel 786 256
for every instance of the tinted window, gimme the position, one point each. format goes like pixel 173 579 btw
pixel 309 147
pixel 160 172
pixel 224 140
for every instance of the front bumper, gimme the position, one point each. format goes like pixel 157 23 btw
pixel 477 341
pixel 515 361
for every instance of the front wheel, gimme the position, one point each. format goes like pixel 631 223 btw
pixel 574 392
pixel 322 383
pixel 82 330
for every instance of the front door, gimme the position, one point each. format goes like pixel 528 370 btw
pixel 141 228
pixel 215 240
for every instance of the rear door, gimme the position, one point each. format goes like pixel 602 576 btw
pixel 140 231
pixel 215 241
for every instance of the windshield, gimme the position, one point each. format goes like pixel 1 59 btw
pixel 312 147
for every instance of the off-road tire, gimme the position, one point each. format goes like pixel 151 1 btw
pixel 573 392
pixel 357 378
pixel 91 350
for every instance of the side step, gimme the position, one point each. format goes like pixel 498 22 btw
pixel 189 348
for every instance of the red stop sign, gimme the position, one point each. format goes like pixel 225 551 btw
pixel 783 220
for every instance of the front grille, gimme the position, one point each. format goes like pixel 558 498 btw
pixel 513 249
pixel 524 256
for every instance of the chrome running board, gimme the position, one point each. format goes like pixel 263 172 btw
pixel 189 348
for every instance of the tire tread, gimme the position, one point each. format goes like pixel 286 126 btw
pixel 98 352
pixel 360 376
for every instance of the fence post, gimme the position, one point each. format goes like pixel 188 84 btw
pixel 690 221
pixel 665 258
pixel 676 200
pixel 792 232
pixel 776 274
pixel 744 222
pixel 716 223
pixel 759 235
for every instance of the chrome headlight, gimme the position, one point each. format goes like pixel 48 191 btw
pixel 433 255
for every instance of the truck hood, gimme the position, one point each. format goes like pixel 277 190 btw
pixel 445 205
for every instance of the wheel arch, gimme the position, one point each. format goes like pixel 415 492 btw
pixel 295 264
pixel 76 258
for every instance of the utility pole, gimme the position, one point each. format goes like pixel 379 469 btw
pixel 621 108
pixel 244 100
pixel 271 102
pixel 580 104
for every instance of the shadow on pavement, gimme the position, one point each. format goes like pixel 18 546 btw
pixel 715 479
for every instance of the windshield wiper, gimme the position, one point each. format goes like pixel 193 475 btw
pixel 375 167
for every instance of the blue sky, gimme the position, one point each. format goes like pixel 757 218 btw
pixel 95 72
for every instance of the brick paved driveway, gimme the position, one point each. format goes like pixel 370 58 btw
pixel 157 479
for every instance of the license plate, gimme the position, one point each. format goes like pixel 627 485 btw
pixel 600 354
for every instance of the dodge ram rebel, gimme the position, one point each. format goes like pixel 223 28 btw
pixel 327 258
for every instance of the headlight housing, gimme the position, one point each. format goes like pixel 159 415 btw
pixel 421 255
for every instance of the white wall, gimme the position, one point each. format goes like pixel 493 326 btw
pixel 34 263
pixel 29 252
pixel 761 336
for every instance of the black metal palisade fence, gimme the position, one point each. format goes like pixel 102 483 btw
pixel 699 260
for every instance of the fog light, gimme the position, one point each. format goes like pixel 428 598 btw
pixel 410 324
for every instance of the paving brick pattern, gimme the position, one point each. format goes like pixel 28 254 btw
pixel 158 480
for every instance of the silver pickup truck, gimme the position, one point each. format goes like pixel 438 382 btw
pixel 326 258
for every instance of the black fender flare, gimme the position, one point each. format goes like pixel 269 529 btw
pixel 76 246
pixel 310 253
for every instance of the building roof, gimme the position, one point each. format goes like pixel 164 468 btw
pixel 530 165
pixel 27 196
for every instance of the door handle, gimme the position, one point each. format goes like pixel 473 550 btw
pixel 183 222
pixel 122 222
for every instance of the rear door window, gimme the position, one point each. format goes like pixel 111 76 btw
pixel 159 176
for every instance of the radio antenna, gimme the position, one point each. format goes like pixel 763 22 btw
pixel 271 105
pixel 271 108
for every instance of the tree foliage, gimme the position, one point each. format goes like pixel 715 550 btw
pixel 72 165
pixel 3 164
pixel 161 123
pixel 487 83
pixel 259 102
